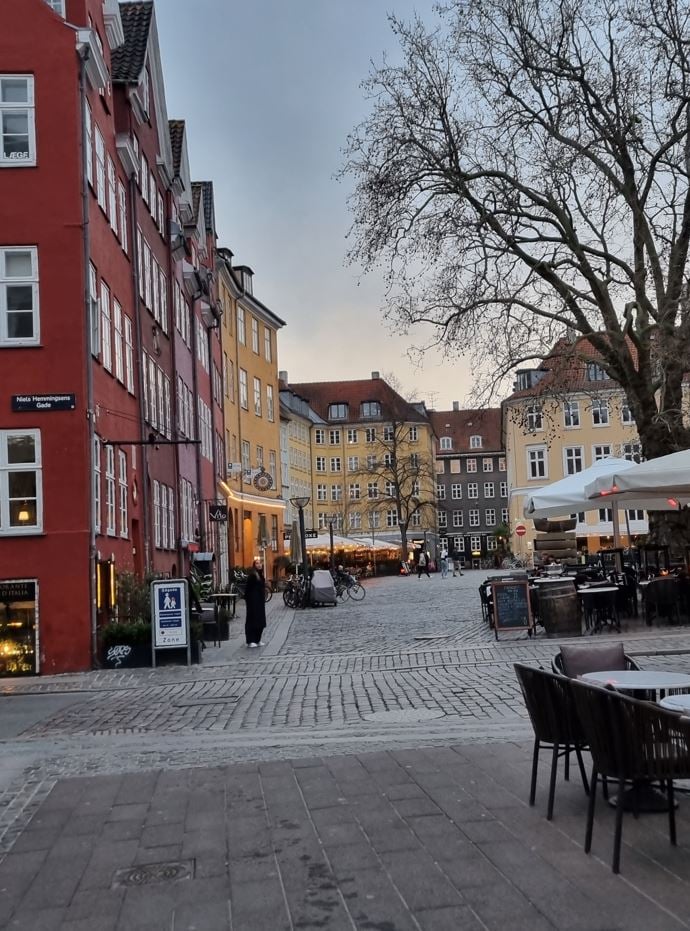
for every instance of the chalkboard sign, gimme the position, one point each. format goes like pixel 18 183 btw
pixel 511 605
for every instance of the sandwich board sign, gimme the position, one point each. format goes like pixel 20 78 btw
pixel 170 617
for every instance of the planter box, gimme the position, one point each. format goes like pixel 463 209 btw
pixel 126 656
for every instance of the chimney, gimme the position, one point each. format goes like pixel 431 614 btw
pixel 283 376
pixel 374 375
pixel 456 405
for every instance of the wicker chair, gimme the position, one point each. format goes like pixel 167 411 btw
pixel 552 713
pixel 595 659
pixel 631 740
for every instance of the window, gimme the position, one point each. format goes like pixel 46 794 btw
pixel 123 221
pixel 21 508
pixel 456 491
pixel 241 330
pixel 319 437
pixel 459 544
pixel 355 521
pixel 501 464
pixel 457 518
pixel 268 351
pixel 446 442
pixel 414 434
pixel 389 488
pixel 388 434
pixel 600 413
pixel 144 178
pixel 487 465
pixel 476 544
pixel 474 517
pixel 255 335
pixel 337 411
pixel 490 517
pixel 415 519
pixel 534 419
pixel 244 390
pixel 334 437
pixel 19 305
pixel 321 492
pixel 489 489
pixel 270 410
pixel 491 544
pixel 595 372
pixel 351 436
pixel 372 489
pixel 122 487
pixel 171 518
pixel 626 413
pixel 475 442
pixel 455 468
pixel 635 514
pixel 579 517
pixel 370 434
pixel 473 490
pixel 100 170
pixel 246 456
pixel 601 452
pixel 391 518
pixel 471 465
pixel 129 356
pixel 388 460
pixel 118 341
pixel 336 492
pixel 371 462
pixel 374 520
pixel 573 460
pixel 88 143
pixel 571 414
pixel 320 463
pixel 536 462
pixel 505 516
pixel 442 518
pixel 106 331
pixel 110 524
pixel 353 463
pixel 112 195
pixel 17 133
pixel 504 489
pixel 414 460
pixel 441 492
pixel 605 515
pixel 97 484
pixel 632 452
pixel 371 409
pixel 335 464
pixel 354 491
pixel 156 514
pixel 257 397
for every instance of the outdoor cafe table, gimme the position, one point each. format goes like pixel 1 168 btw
pixel 592 593
pixel 676 703
pixel 647 798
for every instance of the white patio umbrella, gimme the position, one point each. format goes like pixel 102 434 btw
pixel 663 483
pixel 296 554
pixel 568 495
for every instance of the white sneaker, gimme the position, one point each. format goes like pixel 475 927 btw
pixel 261 644
pixel 252 646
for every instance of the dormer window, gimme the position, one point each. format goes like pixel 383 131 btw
pixel 446 442
pixel 371 409
pixel 595 372
pixel 534 419
pixel 337 411
pixel 58 6
pixel 475 442
pixel 145 91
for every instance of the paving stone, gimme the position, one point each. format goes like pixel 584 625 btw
pixel 39 919
pixel 455 918
pixel 202 916
pixel 421 883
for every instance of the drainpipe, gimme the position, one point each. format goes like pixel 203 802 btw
pixel 175 426
pixel 140 370
pixel 197 421
pixel 88 344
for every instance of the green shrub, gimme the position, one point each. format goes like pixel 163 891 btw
pixel 132 633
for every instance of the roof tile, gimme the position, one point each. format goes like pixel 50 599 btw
pixel 128 60
pixel 463 424
pixel 321 394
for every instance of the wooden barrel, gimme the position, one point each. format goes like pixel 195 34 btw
pixel 559 610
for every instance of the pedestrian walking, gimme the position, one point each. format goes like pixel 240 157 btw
pixel 444 565
pixel 255 599
pixel 423 564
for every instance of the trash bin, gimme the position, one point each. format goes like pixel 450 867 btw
pixel 559 610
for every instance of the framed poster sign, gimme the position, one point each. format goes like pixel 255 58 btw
pixel 169 615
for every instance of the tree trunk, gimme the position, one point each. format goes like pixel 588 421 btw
pixel 403 541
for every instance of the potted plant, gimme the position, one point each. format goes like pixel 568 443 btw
pixel 126 644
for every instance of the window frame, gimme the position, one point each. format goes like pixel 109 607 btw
pixel 34 283
pixel 30 107
pixel 6 467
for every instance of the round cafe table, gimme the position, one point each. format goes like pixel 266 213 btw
pixel 676 703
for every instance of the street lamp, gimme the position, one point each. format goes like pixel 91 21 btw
pixel 300 504
pixel 331 520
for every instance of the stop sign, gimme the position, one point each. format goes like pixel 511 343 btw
pixel 521 530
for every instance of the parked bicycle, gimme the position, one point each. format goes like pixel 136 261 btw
pixel 346 584
pixel 239 584
pixel 294 593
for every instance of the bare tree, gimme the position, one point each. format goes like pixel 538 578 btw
pixel 405 481
pixel 524 175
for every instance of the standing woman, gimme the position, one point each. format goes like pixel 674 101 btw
pixel 255 598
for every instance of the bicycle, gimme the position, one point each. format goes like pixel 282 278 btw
pixel 348 585
pixel 239 585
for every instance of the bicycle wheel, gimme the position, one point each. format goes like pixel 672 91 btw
pixel 290 598
pixel 268 593
pixel 356 592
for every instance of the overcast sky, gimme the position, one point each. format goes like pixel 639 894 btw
pixel 270 90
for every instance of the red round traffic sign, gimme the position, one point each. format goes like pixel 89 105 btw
pixel 521 530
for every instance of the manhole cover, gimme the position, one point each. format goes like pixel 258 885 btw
pixel 404 715
pixel 149 874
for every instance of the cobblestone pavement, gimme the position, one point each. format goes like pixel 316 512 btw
pixel 412 665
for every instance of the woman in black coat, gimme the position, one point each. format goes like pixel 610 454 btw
pixel 255 598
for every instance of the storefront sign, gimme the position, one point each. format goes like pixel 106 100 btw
pixel 18 627
pixel 217 512
pixel 17 591
pixel 43 402
pixel 169 612
pixel 311 534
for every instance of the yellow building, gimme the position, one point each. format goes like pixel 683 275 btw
pixel 561 418
pixel 296 421
pixel 252 419
pixel 372 462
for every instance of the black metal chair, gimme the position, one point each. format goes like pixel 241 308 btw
pixel 662 599
pixel 487 604
pixel 556 727
pixel 630 740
